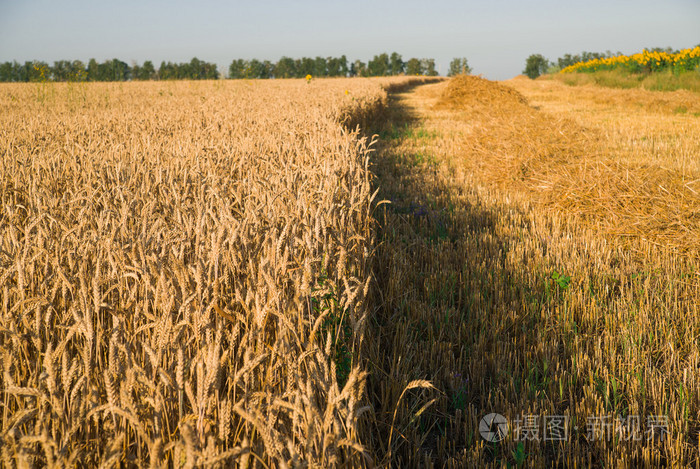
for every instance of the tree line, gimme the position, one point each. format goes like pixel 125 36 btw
pixel 110 70
pixel 286 67
pixel 380 65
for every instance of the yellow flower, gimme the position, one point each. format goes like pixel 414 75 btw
pixel 308 78
pixel 655 60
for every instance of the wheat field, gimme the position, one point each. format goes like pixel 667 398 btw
pixel 345 272
pixel 180 265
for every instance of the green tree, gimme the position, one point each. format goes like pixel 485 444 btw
pixel 320 67
pixel 184 71
pixel 333 66
pixel 120 71
pixel 148 72
pixel 210 71
pixel 23 72
pixel 6 72
pixel 428 66
pixel 93 70
pixel 459 66
pixel 102 71
pixel 567 60
pixel 29 72
pixel 60 70
pixel 256 69
pixel 379 65
pixel 305 66
pixel 76 71
pixel 358 69
pixel 344 67
pixel 285 68
pixel 166 71
pixel 34 71
pixel 195 71
pixel 535 65
pixel 337 66
pixel 414 67
pixel 269 68
pixel 396 64
pixel 237 69
pixel 135 71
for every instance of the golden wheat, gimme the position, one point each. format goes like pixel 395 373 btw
pixel 177 260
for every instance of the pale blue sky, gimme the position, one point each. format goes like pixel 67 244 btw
pixel 496 36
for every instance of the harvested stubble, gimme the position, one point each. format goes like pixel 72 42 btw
pixel 589 169
pixel 472 264
pixel 183 272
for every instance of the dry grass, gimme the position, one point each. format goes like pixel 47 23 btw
pixel 494 204
pixel 183 272
pixel 634 170
pixel 606 169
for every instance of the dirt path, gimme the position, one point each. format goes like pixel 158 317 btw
pixel 510 308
